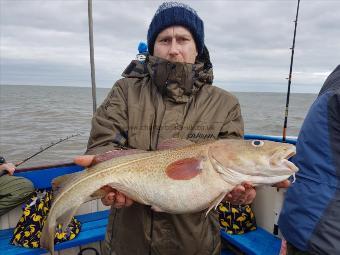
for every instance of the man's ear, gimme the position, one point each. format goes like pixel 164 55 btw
pixel 204 57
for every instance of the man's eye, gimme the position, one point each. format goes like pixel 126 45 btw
pixel 182 40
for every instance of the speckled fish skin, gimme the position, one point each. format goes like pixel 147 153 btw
pixel 153 178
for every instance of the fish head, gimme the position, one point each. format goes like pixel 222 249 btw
pixel 257 161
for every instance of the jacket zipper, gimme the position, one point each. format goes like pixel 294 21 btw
pixel 151 229
pixel 113 226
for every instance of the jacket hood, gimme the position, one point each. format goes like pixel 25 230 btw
pixel 177 81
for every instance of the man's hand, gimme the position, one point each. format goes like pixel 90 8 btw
pixel 242 194
pixel 113 197
pixel 9 167
pixel 283 184
pixel 245 193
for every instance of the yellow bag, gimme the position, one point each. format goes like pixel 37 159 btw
pixel 236 219
pixel 28 230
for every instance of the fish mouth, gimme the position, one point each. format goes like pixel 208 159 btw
pixel 283 158
pixel 283 153
pixel 290 165
pixel 290 153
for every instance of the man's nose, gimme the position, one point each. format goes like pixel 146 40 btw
pixel 174 48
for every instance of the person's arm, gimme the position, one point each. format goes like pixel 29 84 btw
pixel 233 126
pixel 7 168
pixel 109 132
pixel 110 122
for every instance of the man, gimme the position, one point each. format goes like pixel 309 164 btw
pixel 310 218
pixel 14 190
pixel 170 95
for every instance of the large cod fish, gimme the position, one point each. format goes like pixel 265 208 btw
pixel 181 177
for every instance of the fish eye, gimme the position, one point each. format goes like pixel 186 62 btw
pixel 257 143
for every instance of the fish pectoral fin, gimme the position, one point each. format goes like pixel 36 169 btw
pixel 216 202
pixel 173 143
pixel 156 208
pixel 115 154
pixel 66 217
pixel 184 169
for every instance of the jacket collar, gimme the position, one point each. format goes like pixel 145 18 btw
pixel 176 81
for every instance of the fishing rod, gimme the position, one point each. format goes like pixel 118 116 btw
pixel 93 73
pixel 278 203
pixel 290 75
pixel 46 148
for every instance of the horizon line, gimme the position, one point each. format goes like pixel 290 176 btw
pixel 237 91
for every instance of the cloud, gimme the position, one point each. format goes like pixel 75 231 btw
pixel 46 42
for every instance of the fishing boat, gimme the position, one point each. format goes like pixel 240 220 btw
pixel 94 216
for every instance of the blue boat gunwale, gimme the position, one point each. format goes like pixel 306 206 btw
pixel 34 168
pixel 291 140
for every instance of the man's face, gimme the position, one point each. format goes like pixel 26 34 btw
pixel 176 44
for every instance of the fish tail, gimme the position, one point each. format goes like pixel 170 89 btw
pixel 47 237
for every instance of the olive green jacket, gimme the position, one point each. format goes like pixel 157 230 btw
pixel 158 100
pixel 14 190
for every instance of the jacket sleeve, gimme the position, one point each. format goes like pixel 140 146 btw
pixel 110 122
pixel 334 126
pixel 233 126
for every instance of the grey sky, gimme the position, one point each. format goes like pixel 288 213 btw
pixel 46 42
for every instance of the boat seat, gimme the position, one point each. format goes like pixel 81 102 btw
pixel 93 224
pixel 256 242
pixel 92 230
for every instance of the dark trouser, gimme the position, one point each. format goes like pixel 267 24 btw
pixel 292 250
pixel 14 191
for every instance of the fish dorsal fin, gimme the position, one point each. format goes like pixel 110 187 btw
pixel 114 154
pixel 118 155
pixel 173 143
pixel 184 169
pixel 61 181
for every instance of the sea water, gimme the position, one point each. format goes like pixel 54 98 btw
pixel 35 116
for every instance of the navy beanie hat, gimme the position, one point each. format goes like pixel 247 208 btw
pixel 176 14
